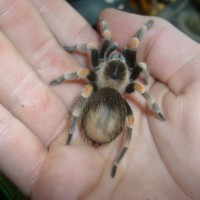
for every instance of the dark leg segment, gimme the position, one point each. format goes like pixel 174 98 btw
pixel 130 52
pixel 104 47
pixel 140 67
pixel 113 46
pixel 126 141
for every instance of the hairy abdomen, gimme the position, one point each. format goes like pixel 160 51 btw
pixel 103 116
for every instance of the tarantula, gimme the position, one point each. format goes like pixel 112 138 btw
pixel 101 109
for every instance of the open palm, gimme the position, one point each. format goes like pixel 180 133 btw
pixel 163 159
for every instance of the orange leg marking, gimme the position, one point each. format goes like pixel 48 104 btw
pixel 131 120
pixel 139 88
pixel 83 72
pixel 134 43
pixel 107 34
pixel 87 90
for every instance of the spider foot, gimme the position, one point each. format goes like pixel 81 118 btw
pixel 114 169
pixel 157 111
pixel 57 81
pixel 139 34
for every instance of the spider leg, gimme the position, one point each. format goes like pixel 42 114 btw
pixel 81 73
pixel 107 45
pixel 131 51
pixel 150 100
pixel 140 67
pixel 86 92
pixel 126 140
pixel 104 29
pixel 83 48
pixel 139 34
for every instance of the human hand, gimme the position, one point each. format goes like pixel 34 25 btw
pixel 31 114
pixel 34 119
pixel 165 157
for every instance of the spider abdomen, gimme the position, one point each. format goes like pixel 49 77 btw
pixel 103 116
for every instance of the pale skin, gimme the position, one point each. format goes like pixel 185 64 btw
pixel 163 159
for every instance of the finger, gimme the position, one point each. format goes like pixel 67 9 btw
pixel 27 97
pixel 33 39
pixel 31 36
pixel 21 153
pixel 21 24
pixel 169 54
pixel 34 44
pixel 60 17
pixel 72 28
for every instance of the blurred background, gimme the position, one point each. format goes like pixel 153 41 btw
pixel 184 14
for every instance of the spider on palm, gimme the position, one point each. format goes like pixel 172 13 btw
pixel 101 109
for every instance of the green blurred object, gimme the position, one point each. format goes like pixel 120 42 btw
pixel 9 191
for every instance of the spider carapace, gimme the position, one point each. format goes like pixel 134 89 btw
pixel 101 108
